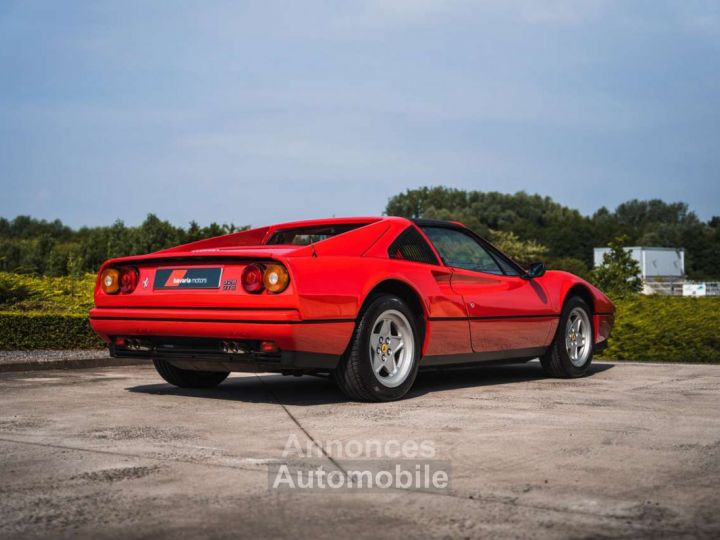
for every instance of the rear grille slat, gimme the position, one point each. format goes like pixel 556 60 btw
pixel 185 348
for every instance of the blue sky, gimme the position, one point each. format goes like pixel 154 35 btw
pixel 258 112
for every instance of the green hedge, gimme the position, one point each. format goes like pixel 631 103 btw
pixel 666 329
pixel 46 294
pixel 32 330
pixel 656 328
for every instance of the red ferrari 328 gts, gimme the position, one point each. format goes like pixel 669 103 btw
pixel 367 300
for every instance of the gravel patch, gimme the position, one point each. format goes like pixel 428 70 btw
pixel 54 359
pixel 44 355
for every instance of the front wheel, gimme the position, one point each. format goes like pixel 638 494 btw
pixel 382 362
pixel 571 351
pixel 188 378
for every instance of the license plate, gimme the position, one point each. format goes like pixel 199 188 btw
pixel 187 278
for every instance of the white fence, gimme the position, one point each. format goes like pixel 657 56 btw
pixel 671 287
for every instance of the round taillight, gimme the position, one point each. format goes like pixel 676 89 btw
pixel 128 279
pixel 110 280
pixel 252 279
pixel 276 278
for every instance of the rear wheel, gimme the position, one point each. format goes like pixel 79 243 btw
pixel 571 352
pixel 382 362
pixel 188 378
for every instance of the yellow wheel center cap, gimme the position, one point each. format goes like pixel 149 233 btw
pixel 384 348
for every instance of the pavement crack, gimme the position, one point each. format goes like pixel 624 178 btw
pixel 292 417
pixel 129 455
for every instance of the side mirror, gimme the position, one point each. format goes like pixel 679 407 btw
pixel 535 270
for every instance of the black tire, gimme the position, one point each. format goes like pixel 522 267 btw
pixel 188 378
pixel 556 361
pixel 354 374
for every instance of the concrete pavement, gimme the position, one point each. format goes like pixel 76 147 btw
pixel 632 450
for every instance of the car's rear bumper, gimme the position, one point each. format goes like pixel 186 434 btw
pixel 212 355
pixel 301 343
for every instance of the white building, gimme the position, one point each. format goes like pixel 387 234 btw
pixel 655 262
pixel 663 272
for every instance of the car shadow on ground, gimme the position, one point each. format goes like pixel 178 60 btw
pixel 310 390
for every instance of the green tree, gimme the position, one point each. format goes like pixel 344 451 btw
pixel 155 234
pixel 57 263
pixel 118 239
pixel 11 254
pixel 523 251
pixel 74 266
pixel 193 232
pixel 533 218
pixel 619 273
pixel 570 264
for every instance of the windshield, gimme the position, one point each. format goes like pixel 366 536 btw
pixel 303 236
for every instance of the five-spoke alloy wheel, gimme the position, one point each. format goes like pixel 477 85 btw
pixel 392 348
pixel 578 336
pixel 571 351
pixel 382 360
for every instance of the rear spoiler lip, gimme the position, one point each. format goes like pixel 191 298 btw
pixel 153 259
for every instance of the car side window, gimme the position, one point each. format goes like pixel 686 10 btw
pixel 411 246
pixel 460 250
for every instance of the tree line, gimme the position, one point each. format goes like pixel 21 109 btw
pixel 528 227
pixel 33 246
pixel 532 226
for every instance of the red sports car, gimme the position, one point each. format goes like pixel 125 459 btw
pixel 367 300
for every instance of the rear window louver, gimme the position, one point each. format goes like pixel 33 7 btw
pixel 411 246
